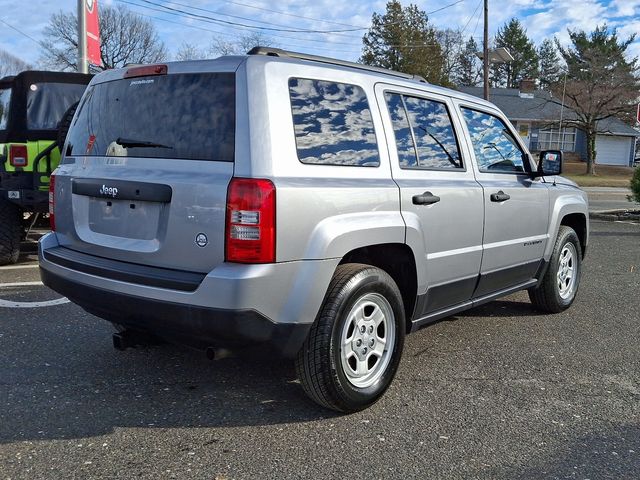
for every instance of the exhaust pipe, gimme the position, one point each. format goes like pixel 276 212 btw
pixel 214 353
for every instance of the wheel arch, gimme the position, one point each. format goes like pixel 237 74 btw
pixel 578 222
pixel 398 260
pixel 569 209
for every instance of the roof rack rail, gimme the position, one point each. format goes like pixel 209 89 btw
pixel 278 52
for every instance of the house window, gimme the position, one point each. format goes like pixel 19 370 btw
pixel 552 138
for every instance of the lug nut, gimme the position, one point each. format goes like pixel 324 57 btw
pixel 371 329
pixel 372 343
pixel 363 329
pixel 364 350
pixel 358 342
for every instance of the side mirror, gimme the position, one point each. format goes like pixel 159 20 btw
pixel 550 163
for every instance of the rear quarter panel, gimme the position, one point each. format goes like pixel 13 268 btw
pixel 323 211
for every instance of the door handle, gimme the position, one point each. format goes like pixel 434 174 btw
pixel 427 198
pixel 500 197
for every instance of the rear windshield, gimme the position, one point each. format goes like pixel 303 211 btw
pixel 5 98
pixel 182 116
pixel 47 102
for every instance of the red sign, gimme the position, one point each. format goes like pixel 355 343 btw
pixel 93 32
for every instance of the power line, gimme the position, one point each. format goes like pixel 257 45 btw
pixel 203 18
pixel 234 35
pixel 336 32
pixel 471 17
pixel 279 12
pixel 40 44
pixel 208 21
pixel 276 27
pixel 20 31
pixel 237 24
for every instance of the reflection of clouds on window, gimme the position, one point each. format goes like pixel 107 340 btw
pixel 402 131
pixel 332 123
pixel 495 148
pixel 434 136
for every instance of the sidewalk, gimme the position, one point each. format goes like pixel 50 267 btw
pixel 609 198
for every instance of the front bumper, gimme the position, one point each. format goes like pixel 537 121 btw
pixel 234 304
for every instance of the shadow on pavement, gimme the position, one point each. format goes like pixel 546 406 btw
pixel 502 308
pixel 612 453
pixel 92 390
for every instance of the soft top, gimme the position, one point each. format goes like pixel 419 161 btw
pixel 17 129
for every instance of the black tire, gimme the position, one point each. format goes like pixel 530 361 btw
pixel 548 296
pixel 319 363
pixel 10 232
pixel 65 124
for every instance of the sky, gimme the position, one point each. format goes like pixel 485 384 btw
pixel 348 20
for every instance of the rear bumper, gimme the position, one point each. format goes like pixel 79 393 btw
pixel 234 304
pixel 199 327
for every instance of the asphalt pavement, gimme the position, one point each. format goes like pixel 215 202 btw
pixel 499 392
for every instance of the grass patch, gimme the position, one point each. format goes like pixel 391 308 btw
pixel 606 175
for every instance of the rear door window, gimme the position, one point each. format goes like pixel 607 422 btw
pixel 424 133
pixel 332 123
pixel 181 116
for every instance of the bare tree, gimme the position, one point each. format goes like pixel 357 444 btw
pixel 240 46
pixel 218 47
pixel 11 65
pixel 451 44
pixel 601 81
pixel 125 38
pixel 189 51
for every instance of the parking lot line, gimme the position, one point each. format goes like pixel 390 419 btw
pixel 47 303
pixel 18 267
pixel 20 284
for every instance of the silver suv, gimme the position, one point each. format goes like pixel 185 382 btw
pixel 321 207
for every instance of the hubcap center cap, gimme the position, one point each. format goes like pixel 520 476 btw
pixel 364 340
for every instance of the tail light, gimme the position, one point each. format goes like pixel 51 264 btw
pixel 251 221
pixel 18 155
pixel 52 201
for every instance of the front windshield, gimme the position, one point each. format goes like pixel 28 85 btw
pixel 5 98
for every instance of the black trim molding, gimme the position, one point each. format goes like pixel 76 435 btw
pixel 124 271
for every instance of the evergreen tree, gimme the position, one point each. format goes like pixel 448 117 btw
pixel 601 81
pixel 513 37
pixel 469 66
pixel 549 64
pixel 402 39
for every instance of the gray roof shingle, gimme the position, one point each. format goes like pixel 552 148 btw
pixel 541 106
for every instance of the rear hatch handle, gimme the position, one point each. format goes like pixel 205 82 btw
pixel 121 190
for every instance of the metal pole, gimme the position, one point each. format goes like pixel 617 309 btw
pixel 561 131
pixel 83 65
pixel 485 50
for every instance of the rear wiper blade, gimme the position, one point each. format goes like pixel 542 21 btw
pixel 131 143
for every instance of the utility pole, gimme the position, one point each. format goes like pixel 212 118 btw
pixel 485 51
pixel 83 66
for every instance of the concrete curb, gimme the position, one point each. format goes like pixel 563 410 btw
pixel 617 215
